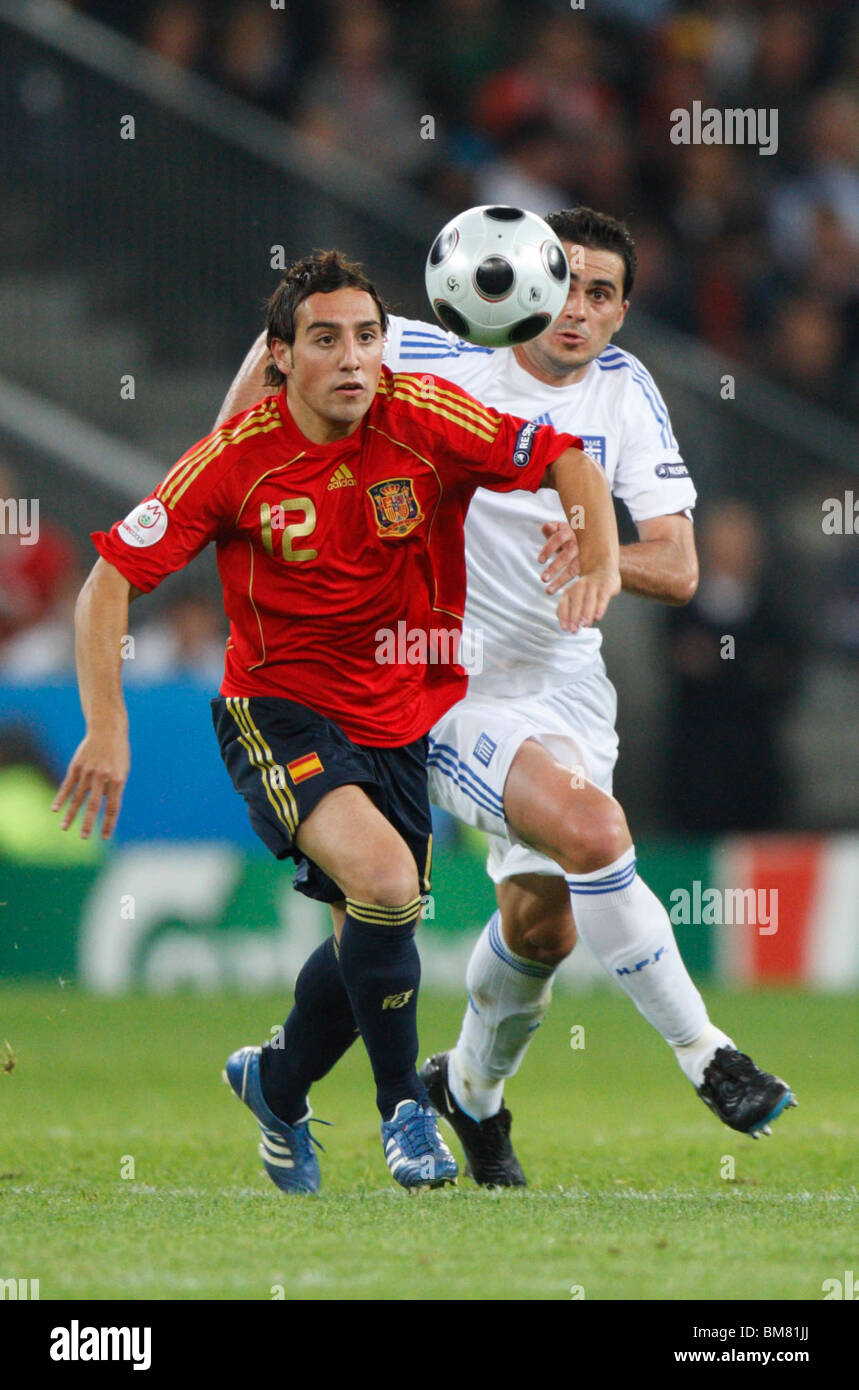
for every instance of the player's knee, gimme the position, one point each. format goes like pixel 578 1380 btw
pixel 597 839
pixel 539 926
pixel 391 883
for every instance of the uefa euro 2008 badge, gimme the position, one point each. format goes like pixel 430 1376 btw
pixel 145 525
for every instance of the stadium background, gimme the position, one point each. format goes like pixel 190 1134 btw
pixel 133 274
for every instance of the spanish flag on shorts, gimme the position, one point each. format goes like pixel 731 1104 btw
pixel 302 768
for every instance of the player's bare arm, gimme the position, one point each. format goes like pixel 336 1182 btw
pixel 662 564
pixel 248 385
pixel 584 493
pixel 99 769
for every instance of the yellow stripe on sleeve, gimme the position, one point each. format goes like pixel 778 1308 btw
pixel 189 467
pixel 224 433
pixel 456 419
pixel 470 409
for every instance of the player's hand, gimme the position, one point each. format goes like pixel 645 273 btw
pixel 97 773
pixel 561 541
pixel 585 601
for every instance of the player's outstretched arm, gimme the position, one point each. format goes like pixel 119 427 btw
pixel 248 385
pixel 586 499
pixel 99 769
pixel 661 565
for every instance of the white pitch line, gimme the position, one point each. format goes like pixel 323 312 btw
pixel 534 1196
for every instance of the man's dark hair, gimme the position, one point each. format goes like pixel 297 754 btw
pixel 321 273
pixel 599 232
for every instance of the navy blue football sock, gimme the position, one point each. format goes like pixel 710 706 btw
pixel 320 1028
pixel 382 970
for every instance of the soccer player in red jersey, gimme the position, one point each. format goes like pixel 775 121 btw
pixel 337 509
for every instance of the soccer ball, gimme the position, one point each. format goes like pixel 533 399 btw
pixel 497 275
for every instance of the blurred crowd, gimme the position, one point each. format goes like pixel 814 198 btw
pixel 547 105
pixel 40 579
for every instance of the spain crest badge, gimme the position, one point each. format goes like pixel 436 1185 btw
pixel 398 510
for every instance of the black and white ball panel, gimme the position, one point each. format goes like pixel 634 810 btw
pixel 494 277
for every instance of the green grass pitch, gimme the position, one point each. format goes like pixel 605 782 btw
pixel 628 1197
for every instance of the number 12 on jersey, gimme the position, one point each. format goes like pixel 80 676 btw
pixel 275 517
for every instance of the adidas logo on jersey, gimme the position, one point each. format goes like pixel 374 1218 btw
pixel 341 477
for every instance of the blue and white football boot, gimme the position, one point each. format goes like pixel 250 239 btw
pixel 415 1152
pixel 286 1150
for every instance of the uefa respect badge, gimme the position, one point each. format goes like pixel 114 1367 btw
pixel 144 525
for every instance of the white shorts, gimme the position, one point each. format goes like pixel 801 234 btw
pixel 472 746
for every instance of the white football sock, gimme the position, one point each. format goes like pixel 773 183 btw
pixel 629 932
pixel 695 1057
pixel 508 996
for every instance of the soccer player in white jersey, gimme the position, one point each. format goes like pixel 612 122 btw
pixel 528 755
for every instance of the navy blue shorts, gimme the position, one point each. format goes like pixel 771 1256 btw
pixel 283 758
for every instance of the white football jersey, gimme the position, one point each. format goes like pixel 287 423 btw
pixel 619 414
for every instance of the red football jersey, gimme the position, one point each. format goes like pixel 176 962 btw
pixel 323 549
